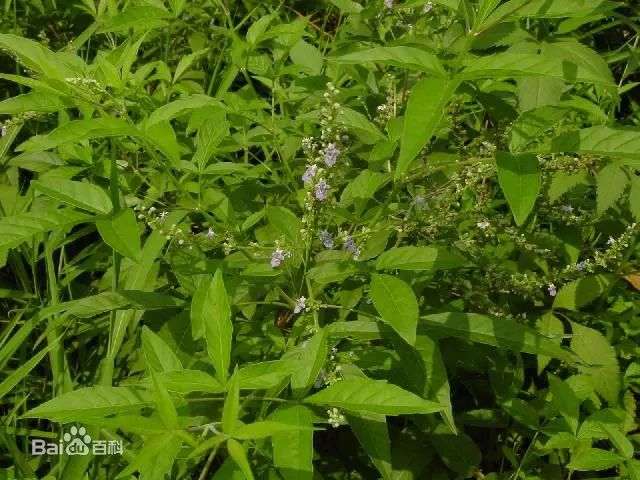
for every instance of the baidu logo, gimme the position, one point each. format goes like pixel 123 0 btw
pixel 76 442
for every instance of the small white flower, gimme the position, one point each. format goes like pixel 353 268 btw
pixel 567 209
pixel 553 291
pixel 301 304
pixel 163 216
pixel 3 131
pixel 611 241
pixel 210 234
pixel 483 225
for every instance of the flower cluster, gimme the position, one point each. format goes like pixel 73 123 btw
pixel 181 236
pixel 336 418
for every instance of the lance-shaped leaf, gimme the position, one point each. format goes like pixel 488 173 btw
pixel 401 56
pixel 120 232
pixel 89 402
pixel 239 456
pixel 420 258
pixel 397 305
pixel 85 196
pixel 510 64
pixel 496 331
pixel 155 458
pixel 600 140
pixel 373 396
pixel 211 318
pixel 293 451
pixel 210 134
pixel 520 179
pixel 79 130
pixel 371 431
pixel 34 102
pixel 425 109
pixel 160 357
pixel 19 228
pixel 311 357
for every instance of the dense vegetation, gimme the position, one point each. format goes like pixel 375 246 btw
pixel 329 239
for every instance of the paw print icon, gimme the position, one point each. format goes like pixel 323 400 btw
pixel 77 441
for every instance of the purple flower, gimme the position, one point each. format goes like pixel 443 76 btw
pixel 309 173
pixel 580 266
pixel 277 258
pixel 301 304
pixel 350 245
pixel 211 234
pixel 331 155
pixel 327 239
pixel 553 291
pixel 3 131
pixel 322 190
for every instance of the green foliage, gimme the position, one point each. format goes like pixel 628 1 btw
pixel 331 239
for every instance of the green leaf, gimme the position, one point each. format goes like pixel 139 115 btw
pixel 372 396
pixel 551 327
pixel 565 401
pixel 508 64
pixel 20 228
pixel 89 402
pixel 420 258
pixel 210 134
pixel 239 456
pixel 34 102
pixel 37 58
pixel 187 381
pixel 404 57
pixel 120 232
pixel 335 272
pixel 499 332
pixel 312 355
pixel 600 140
pixel 186 62
pixel 160 356
pixel 164 405
pixel 264 375
pixel 634 198
pixel 79 130
pixel 520 178
pixel 532 124
pixel 347 6
pixel 594 349
pixel 85 196
pixel 458 452
pixel 293 451
pixel 537 92
pixel 360 125
pixel 181 107
pixel 594 459
pixel 424 367
pixel 211 313
pixel 231 408
pixel 583 291
pixel 156 457
pixel 259 430
pixel 611 181
pixel 397 305
pixel 137 18
pixel 371 431
pixel 22 371
pixel 425 109
pixel 307 56
pixel 286 222
pixel 564 9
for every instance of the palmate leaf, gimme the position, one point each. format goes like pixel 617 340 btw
pixel 373 396
pixel 17 229
pixel 90 402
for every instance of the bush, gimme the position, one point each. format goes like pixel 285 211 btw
pixel 319 240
